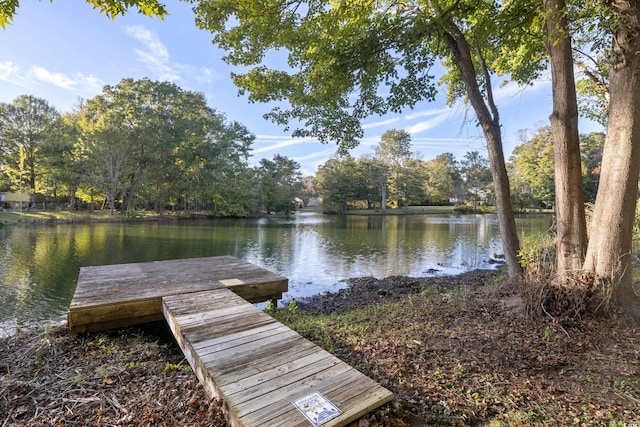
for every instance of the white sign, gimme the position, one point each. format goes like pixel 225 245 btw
pixel 317 408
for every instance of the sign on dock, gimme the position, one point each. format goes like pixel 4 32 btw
pixel 258 368
pixel 263 373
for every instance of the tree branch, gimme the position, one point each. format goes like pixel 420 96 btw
pixel 487 78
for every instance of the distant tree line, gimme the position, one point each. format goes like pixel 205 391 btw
pixel 395 177
pixel 154 146
pixel 139 145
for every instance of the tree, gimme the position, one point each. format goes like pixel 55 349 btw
pixel 591 146
pixel 476 173
pixel 610 30
pixel 442 179
pixel 531 169
pixel 307 190
pixel 571 226
pixel 154 120
pixel 25 126
pixel 412 183
pixel 393 151
pixel 153 144
pixel 373 180
pixel 111 8
pixel 609 250
pixel 107 155
pixel 345 55
pixel 279 181
pixel 337 182
pixel 63 165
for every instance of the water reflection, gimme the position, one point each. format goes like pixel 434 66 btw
pixel 39 265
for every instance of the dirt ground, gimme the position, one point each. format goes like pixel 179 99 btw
pixel 450 358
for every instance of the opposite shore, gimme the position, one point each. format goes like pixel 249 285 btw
pixel 14 217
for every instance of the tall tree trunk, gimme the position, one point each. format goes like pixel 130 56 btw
pixel 72 198
pixel 490 122
pixel 609 251
pixel 571 240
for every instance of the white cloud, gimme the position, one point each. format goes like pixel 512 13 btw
pixel 49 77
pixel 90 84
pixel 380 123
pixel 512 90
pixel 8 70
pixel 279 142
pixel 310 163
pixel 428 124
pixel 81 83
pixel 426 113
pixel 206 75
pixel 324 154
pixel 155 56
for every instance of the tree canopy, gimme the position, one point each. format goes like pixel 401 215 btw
pixel 350 59
pixel 110 8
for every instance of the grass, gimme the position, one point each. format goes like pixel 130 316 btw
pixel 43 217
pixel 456 357
pixel 411 210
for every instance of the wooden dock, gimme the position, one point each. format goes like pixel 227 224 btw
pixel 258 367
pixel 255 366
pixel 112 296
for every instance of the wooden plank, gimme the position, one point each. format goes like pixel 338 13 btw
pixel 253 364
pixel 258 367
pixel 125 294
pixel 357 395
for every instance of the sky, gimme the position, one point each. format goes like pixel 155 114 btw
pixel 66 51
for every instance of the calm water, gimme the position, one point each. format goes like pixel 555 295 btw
pixel 39 265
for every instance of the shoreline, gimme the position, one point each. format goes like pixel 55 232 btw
pixel 453 349
pixel 10 217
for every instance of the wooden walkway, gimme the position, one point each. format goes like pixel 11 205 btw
pixel 113 296
pixel 255 366
pixel 258 367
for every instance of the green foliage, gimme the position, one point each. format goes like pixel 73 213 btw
pixel 342 57
pixel 636 222
pixel 537 254
pixel 591 148
pixel 139 145
pixel 394 152
pixel 150 144
pixel 531 168
pixel 351 59
pixel 531 171
pixel 346 183
pixel 442 178
pixel 476 174
pixel 280 180
pixel 27 124
pixel 110 8
pixel 337 183
pixel 318 329
pixel 176 367
pixel 113 8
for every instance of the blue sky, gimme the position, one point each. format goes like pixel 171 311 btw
pixel 65 51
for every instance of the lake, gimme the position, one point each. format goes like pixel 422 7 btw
pixel 39 265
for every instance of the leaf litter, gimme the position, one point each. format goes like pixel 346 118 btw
pixel 454 350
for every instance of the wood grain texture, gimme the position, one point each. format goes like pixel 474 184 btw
pixel 119 295
pixel 257 367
